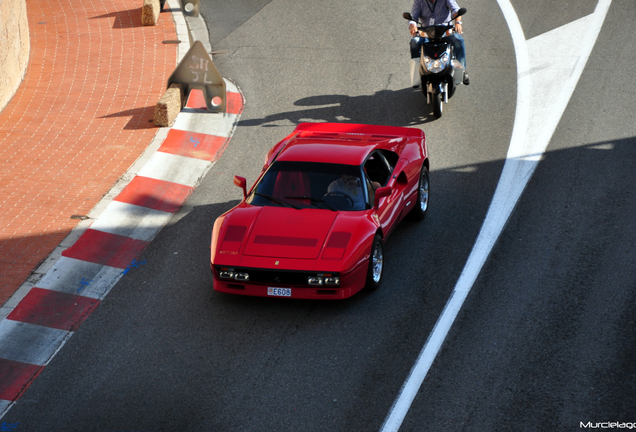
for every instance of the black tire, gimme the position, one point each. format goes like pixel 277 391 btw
pixel 423 194
pixel 436 101
pixel 376 264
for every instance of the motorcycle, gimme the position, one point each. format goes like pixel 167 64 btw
pixel 439 70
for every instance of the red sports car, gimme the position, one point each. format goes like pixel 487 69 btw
pixel 313 225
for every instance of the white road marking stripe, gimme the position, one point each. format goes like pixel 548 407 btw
pixel 29 343
pixel 206 123
pixel 4 405
pixel 230 86
pixel 73 276
pixel 537 115
pixel 132 221
pixel 175 169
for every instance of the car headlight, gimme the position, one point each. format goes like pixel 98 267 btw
pixel 436 65
pixel 229 273
pixel 332 280
pixel 242 276
pixel 315 280
pixel 226 274
pixel 324 279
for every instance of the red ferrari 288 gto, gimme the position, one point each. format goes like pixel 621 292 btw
pixel 313 225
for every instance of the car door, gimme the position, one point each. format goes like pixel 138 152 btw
pixel 380 170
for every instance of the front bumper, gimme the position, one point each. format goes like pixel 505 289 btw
pixel 350 284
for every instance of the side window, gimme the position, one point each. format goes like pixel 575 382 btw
pixel 378 168
pixel 370 190
pixel 391 158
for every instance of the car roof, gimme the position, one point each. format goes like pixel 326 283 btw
pixel 342 148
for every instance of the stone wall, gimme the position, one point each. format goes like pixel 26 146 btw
pixel 14 47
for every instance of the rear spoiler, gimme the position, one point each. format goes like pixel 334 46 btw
pixel 359 129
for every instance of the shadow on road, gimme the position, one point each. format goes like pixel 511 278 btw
pixel 177 353
pixel 406 107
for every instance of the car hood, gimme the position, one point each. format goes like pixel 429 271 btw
pixel 289 233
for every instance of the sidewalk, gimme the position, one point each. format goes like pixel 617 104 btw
pixel 79 120
pixel 87 180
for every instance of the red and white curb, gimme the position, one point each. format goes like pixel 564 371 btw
pixel 47 309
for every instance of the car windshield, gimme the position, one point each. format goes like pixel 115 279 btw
pixel 311 185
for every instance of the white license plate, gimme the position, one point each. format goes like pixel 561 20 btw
pixel 279 292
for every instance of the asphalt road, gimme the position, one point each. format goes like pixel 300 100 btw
pixel 545 339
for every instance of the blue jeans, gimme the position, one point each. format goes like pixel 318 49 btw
pixel 455 39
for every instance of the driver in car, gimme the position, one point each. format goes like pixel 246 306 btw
pixel 350 186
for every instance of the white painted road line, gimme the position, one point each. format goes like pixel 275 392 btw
pixel 543 92
pixel 29 343
pixel 200 123
pixel 132 221
pixel 73 276
pixel 175 169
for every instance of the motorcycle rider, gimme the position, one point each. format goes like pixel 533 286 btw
pixel 430 12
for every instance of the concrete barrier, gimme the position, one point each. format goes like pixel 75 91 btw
pixel 169 106
pixel 150 12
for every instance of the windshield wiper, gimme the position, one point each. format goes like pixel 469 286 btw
pixel 277 201
pixel 314 201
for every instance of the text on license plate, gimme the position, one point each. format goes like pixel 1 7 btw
pixel 280 292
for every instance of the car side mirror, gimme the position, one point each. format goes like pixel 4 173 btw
pixel 381 193
pixel 241 182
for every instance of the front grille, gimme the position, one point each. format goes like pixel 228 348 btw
pixel 277 277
